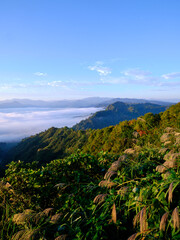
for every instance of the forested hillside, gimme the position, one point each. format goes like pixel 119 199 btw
pixel 117 183
pixel 117 112
pixel 61 142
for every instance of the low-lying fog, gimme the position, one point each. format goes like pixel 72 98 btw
pixel 16 124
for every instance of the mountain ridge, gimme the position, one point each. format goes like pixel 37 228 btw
pixel 117 112
pixel 86 102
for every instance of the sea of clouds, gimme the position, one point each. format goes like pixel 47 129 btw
pixel 16 124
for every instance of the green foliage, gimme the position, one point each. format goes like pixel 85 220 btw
pixel 86 203
pixel 171 116
pixel 69 186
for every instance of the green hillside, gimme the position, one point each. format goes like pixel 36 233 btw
pixel 117 183
pixel 117 112
pixel 60 142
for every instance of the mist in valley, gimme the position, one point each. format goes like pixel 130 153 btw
pixel 16 124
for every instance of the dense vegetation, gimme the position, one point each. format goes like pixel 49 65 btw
pixel 119 182
pixel 117 112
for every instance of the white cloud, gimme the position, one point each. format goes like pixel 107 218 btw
pixel 101 70
pixel 140 77
pixel 55 83
pixel 44 84
pixel 136 73
pixel 171 75
pixel 133 76
pixel 114 80
pixel 9 86
pixel 40 74
pixel 170 84
pixel 16 124
pixel 38 84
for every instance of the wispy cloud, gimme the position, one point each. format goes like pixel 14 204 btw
pixel 137 73
pixel 100 69
pixel 38 84
pixel 131 76
pixel 54 83
pixel 170 84
pixel 171 75
pixel 11 85
pixel 114 80
pixel 40 74
pixel 137 76
pixel 42 84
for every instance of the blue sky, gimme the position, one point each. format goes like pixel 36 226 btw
pixel 69 49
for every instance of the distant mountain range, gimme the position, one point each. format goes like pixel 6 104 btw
pixel 117 112
pixel 80 103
